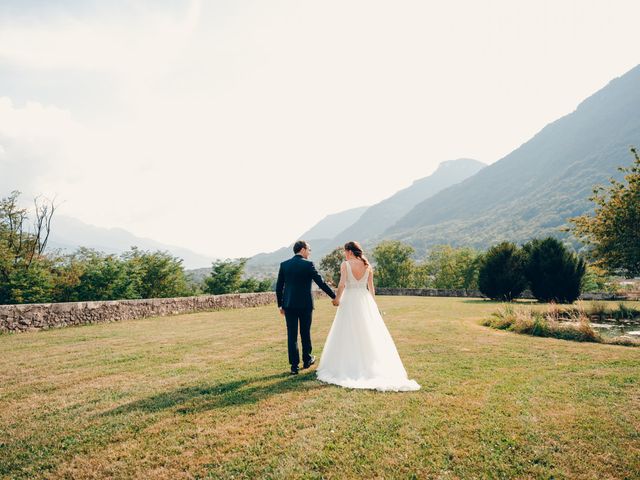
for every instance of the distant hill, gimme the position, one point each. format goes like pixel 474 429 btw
pixel 363 223
pixel 262 264
pixel 384 214
pixel 330 225
pixel 534 190
pixel 67 234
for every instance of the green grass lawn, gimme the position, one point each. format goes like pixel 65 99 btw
pixel 208 395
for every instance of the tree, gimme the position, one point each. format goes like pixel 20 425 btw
pixel 101 277
pixel 612 234
pixel 596 280
pixel 501 274
pixel 394 266
pixel 158 274
pixel 67 272
pixel 254 285
pixel 449 267
pixel 553 272
pixel 30 285
pixel 88 275
pixel 422 275
pixel 330 265
pixel 225 277
pixel 18 244
pixel 28 274
pixel 25 272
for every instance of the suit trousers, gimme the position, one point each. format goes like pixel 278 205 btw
pixel 295 316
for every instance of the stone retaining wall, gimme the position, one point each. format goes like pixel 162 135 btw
pixel 37 316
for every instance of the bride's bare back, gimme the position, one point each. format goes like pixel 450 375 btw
pixel 358 272
pixel 358 268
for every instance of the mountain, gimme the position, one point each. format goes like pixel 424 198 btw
pixel 365 223
pixel 534 190
pixel 262 264
pixel 67 234
pixel 384 214
pixel 330 225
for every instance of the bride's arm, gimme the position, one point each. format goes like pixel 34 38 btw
pixel 370 282
pixel 343 281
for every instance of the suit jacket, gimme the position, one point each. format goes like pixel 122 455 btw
pixel 293 288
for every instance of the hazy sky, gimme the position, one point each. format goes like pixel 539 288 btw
pixel 232 127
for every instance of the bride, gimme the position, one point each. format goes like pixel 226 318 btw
pixel 359 351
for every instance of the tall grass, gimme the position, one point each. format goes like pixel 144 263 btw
pixel 594 310
pixel 599 309
pixel 624 312
pixel 557 322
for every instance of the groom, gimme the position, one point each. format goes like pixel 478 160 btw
pixel 295 301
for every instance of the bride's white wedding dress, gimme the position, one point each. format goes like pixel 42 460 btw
pixel 359 351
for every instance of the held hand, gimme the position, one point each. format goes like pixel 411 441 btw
pixel 335 302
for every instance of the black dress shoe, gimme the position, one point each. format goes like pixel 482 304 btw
pixel 311 361
pixel 294 370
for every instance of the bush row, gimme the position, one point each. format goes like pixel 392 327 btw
pixel 545 266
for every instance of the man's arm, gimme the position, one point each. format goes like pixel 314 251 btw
pixel 320 281
pixel 280 286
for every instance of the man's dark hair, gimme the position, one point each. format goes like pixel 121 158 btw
pixel 299 245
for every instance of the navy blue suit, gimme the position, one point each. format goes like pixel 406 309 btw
pixel 293 291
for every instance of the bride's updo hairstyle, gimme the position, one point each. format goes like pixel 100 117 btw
pixel 356 249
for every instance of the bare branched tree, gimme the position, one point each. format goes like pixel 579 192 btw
pixel 20 244
pixel 44 213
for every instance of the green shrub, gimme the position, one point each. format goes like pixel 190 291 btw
pixel 553 272
pixel 501 273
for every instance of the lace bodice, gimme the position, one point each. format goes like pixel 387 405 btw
pixel 352 281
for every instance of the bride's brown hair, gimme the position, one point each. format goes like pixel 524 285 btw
pixel 356 249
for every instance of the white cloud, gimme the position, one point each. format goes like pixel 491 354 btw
pixel 238 125
pixel 38 150
pixel 35 120
pixel 122 45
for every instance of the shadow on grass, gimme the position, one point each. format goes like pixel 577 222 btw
pixel 200 398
